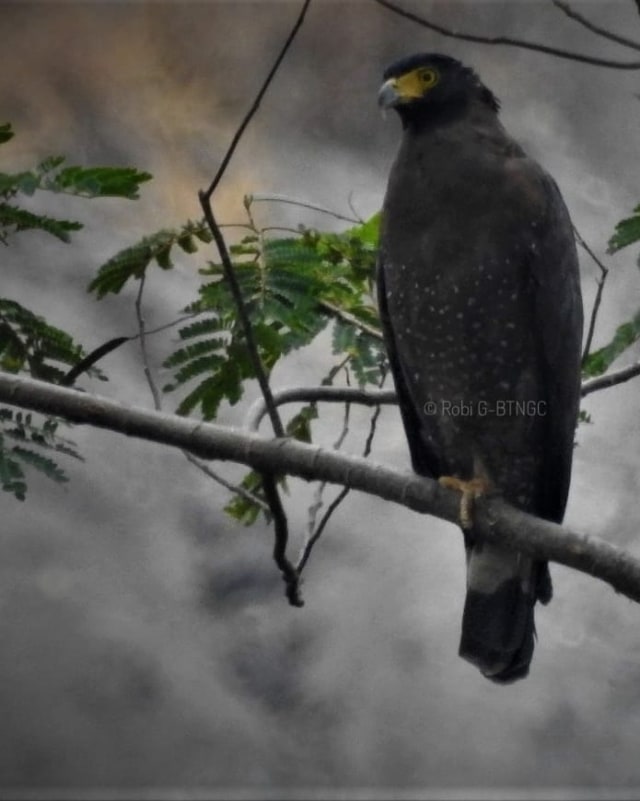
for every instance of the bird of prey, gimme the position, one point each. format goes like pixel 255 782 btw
pixel 479 295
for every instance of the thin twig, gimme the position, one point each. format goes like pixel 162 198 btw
pixel 269 483
pixel 155 393
pixel 290 575
pixel 256 103
pixel 166 326
pixel 614 37
pixel 317 498
pixel 306 552
pixel 336 311
pixel 263 198
pixel 505 40
pixel 243 314
pixel 235 488
pixel 610 379
pixel 353 208
pixel 328 394
pixel 157 402
pixel 604 272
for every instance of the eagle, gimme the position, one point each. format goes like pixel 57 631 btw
pixel 479 294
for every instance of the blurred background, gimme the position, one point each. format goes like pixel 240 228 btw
pixel 147 648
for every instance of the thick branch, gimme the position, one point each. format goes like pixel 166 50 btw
pixel 495 520
pixel 505 40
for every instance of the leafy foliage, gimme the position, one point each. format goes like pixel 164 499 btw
pixel 626 335
pixel 626 233
pixel 28 343
pixel 291 287
pixel 36 439
pixel 133 261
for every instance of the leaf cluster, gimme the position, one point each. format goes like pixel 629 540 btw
pixel 291 287
pixel 51 175
pixel 28 343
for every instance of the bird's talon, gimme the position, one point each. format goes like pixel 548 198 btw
pixel 470 490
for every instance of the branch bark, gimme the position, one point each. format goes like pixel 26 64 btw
pixel 496 520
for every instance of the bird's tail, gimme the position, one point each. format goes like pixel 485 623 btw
pixel 498 628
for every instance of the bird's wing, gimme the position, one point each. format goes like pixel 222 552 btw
pixel 424 458
pixel 557 320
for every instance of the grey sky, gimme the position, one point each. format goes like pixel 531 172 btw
pixel 146 642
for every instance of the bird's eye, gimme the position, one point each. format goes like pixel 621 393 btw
pixel 428 78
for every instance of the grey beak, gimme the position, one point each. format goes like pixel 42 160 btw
pixel 388 96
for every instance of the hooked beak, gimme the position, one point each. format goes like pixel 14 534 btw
pixel 388 96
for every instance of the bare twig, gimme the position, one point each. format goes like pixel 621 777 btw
pixel 155 393
pixel 243 314
pixel 317 498
pixel 269 483
pixel 610 379
pixel 364 397
pixel 353 208
pixel 290 575
pixel 256 103
pixel 604 272
pixel 157 402
pixel 166 326
pixel 306 552
pixel 388 397
pixel 505 40
pixel 264 198
pixel 613 37
pixel 336 311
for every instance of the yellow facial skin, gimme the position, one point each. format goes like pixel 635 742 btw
pixel 410 86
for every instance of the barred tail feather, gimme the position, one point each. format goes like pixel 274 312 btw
pixel 498 628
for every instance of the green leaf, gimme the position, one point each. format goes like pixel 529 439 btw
pixel 368 232
pixel 40 463
pixel 299 426
pixel 626 233
pixel 241 508
pixel 132 262
pixel 626 335
pixel 11 475
pixel 98 181
pixel 14 219
pixel 6 133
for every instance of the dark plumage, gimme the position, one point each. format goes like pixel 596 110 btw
pixel 480 303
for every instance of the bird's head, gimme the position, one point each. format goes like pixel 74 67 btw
pixel 429 85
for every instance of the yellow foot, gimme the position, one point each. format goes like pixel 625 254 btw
pixel 470 491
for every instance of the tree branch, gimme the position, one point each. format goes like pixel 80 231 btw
pixel 336 311
pixel 264 198
pixel 505 40
pixel 604 272
pixel 610 379
pixel 495 519
pixel 256 103
pixel 613 37
pixel 268 480
pixel 365 397
pixel 388 397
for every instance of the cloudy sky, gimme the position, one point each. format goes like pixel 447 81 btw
pixel 146 644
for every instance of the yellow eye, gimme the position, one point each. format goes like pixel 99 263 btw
pixel 428 77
